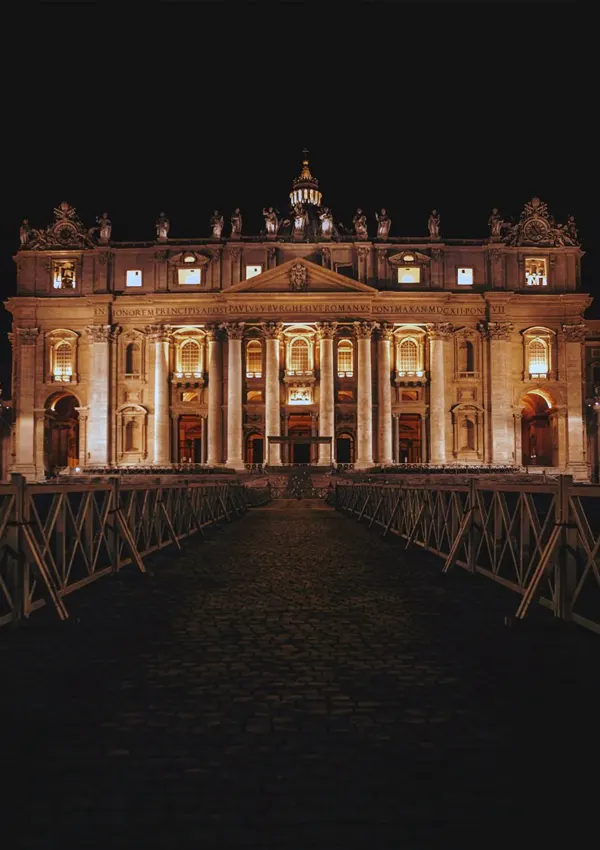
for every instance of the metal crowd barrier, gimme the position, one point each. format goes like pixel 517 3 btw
pixel 56 538
pixel 540 539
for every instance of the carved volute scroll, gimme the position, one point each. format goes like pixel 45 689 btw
pixel 574 333
pixel 234 330
pixel 363 330
pixel 326 330
pixel 271 330
pixel 27 336
pixel 440 330
pixel 101 333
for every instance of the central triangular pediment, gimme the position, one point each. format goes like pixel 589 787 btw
pixel 300 276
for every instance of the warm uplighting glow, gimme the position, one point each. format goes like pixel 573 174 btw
pixel 409 274
pixel 63 362
pixel 254 359
pixel 189 276
pixel 536 271
pixel 345 364
pixel 63 274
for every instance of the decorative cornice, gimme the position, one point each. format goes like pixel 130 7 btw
pixel 574 333
pixel 440 330
pixel 271 330
pixel 27 336
pixel 326 330
pixel 363 330
pixel 234 330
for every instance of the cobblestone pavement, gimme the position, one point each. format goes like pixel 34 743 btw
pixel 295 681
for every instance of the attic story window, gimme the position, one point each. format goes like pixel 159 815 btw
pixel 134 277
pixel 189 276
pixel 409 274
pixel 253 271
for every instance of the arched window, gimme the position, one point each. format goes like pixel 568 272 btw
pixel 299 355
pixel 131 436
pixel 538 357
pixel 345 365
pixel 132 359
pixel 408 355
pixel 467 356
pixel 63 361
pixel 189 355
pixel 468 434
pixel 254 359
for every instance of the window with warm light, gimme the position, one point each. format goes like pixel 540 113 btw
pixel 408 356
pixel 189 397
pixel 538 358
pixel 133 277
pixel 345 365
pixel 189 357
pixel 299 357
pixel 63 362
pixel 253 271
pixel 63 274
pixel 189 277
pixel 464 277
pixel 345 395
pixel 536 272
pixel 409 274
pixel 254 359
pixel 254 396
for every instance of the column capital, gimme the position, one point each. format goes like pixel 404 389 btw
pixel 234 330
pixel 439 330
pixel 363 330
pixel 102 333
pixel 385 332
pixel 212 332
pixel 159 333
pixel 27 336
pixel 271 330
pixel 574 333
pixel 496 330
pixel 326 330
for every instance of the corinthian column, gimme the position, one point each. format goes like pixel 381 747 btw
pixel 272 334
pixel 364 405
pixel 574 338
pixel 235 332
pixel 24 372
pixel 502 436
pixel 384 396
pixel 438 334
pixel 325 335
pixel 161 336
pixel 215 396
pixel 98 398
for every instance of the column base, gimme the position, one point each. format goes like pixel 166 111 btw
pixel 28 470
pixel 386 461
pixel 364 464
pixel 579 470
pixel 237 464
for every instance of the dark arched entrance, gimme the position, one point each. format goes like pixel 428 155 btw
pixel 62 432
pixel 344 448
pixel 537 435
pixel 255 448
pixel 190 439
pixel 409 438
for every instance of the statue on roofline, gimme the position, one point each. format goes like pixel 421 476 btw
pixel 216 224
pixel 384 222
pixel 360 224
pixel 433 223
pixel 162 227
pixel 236 223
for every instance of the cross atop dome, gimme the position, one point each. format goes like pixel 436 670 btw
pixel 306 187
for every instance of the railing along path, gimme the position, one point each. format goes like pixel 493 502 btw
pixel 56 538
pixel 540 539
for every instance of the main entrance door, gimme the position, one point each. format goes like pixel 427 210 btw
pixel 62 432
pixel 299 432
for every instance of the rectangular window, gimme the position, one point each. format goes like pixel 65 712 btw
pixel 536 272
pixel 133 278
pixel 464 277
pixel 63 274
pixel 189 276
pixel 409 274
pixel 254 396
pixel 345 269
pixel 253 271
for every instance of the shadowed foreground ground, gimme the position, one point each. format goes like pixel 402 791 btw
pixel 296 682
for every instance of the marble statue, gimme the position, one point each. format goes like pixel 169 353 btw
pixel 216 224
pixel 271 220
pixel 162 227
pixel 300 218
pixel 360 223
pixel 572 229
pixel 236 223
pixel 326 222
pixel 433 223
pixel 24 232
pixel 105 227
pixel 495 223
pixel 384 222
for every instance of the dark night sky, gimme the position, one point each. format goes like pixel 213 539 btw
pixel 408 106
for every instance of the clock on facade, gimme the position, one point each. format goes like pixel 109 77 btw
pixel 535 230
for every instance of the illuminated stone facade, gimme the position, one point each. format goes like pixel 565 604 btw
pixel 312 342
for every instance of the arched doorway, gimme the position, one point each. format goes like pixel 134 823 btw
pixel 344 448
pixel 190 439
pixel 538 431
pixel 62 432
pixel 409 438
pixel 255 448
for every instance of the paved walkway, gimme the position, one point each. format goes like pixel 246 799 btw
pixel 295 682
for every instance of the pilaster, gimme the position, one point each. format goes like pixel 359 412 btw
pixel 235 333
pixel 325 335
pixel 439 334
pixel 364 406
pixel 384 396
pixel 272 334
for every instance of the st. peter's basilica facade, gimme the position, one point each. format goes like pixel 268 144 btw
pixel 310 343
